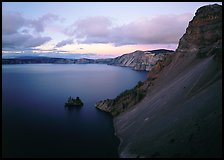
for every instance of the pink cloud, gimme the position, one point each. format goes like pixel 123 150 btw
pixel 162 29
pixel 90 27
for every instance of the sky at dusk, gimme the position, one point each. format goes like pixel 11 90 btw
pixel 93 29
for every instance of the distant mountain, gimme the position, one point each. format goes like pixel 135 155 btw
pixel 35 60
pixel 28 57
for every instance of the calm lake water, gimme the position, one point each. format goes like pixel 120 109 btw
pixel 35 122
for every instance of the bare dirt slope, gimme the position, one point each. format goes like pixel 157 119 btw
pixel 182 118
pixel 181 115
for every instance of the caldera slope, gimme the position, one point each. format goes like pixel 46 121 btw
pixel 181 113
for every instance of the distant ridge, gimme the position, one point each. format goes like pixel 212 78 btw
pixel 137 60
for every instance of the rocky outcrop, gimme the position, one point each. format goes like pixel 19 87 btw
pixel 181 113
pixel 140 60
pixel 125 100
pixel 203 32
pixel 203 36
pixel 160 64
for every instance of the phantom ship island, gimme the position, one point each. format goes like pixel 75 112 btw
pixel 74 102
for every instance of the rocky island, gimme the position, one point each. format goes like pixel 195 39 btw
pixel 74 102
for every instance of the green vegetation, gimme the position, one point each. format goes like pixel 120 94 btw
pixel 127 99
pixel 73 102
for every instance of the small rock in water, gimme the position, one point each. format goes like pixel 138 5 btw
pixel 73 102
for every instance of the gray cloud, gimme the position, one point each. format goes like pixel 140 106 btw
pixel 90 27
pixel 11 22
pixel 64 42
pixel 40 23
pixel 18 41
pixel 16 31
pixel 162 29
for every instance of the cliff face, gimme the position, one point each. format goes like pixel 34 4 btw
pixel 140 60
pixel 203 33
pixel 181 113
pixel 203 36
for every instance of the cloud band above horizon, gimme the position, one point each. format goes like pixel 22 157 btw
pixel 161 29
pixel 86 34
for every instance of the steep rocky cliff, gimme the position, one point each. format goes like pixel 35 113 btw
pixel 181 113
pixel 140 60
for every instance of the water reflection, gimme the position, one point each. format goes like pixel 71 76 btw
pixel 73 108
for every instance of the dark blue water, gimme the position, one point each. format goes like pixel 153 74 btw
pixel 35 122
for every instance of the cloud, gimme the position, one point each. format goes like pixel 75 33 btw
pixel 64 42
pixel 161 29
pixel 11 22
pixel 40 23
pixel 90 27
pixel 17 31
pixel 18 41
